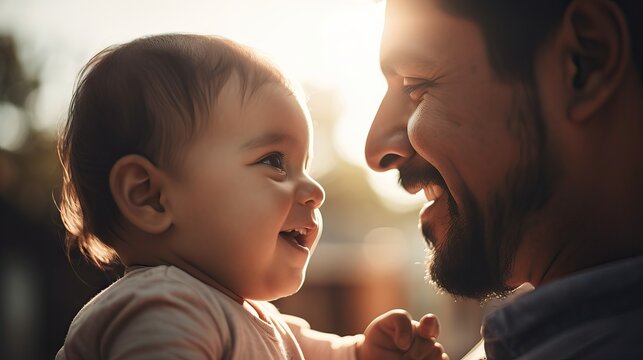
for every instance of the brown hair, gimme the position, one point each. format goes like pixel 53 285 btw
pixel 145 97
pixel 514 30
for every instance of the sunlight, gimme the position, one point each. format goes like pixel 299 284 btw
pixel 331 44
pixel 360 81
pixel 392 194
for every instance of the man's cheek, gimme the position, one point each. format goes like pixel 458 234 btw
pixel 433 122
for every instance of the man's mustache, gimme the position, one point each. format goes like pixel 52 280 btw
pixel 414 177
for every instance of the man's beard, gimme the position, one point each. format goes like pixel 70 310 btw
pixel 476 257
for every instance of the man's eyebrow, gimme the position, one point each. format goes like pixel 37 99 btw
pixel 406 58
pixel 268 139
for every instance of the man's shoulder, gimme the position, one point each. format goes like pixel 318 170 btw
pixel 599 309
pixel 617 285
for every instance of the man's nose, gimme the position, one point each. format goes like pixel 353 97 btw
pixel 387 144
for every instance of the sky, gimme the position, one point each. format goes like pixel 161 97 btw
pixel 332 44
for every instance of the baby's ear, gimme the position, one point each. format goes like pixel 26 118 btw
pixel 136 185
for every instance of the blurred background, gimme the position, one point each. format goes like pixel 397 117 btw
pixel 371 255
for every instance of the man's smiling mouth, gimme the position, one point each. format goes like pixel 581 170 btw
pixel 434 212
pixel 433 192
pixel 418 176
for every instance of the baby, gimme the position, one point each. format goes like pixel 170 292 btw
pixel 186 158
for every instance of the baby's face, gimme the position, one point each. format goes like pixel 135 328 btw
pixel 245 209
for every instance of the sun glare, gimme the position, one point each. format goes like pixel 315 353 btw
pixel 331 44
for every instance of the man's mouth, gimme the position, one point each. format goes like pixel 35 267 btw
pixel 434 212
pixel 433 192
pixel 422 176
pixel 419 175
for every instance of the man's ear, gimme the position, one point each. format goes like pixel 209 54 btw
pixel 137 185
pixel 598 46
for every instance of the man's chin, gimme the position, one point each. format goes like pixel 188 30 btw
pixel 458 265
pixel 460 283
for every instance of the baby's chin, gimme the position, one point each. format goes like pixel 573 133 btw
pixel 276 292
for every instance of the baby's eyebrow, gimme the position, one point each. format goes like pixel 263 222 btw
pixel 268 139
pixel 273 139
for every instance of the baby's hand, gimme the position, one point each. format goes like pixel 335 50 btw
pixel 395 335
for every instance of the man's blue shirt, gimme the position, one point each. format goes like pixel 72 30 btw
pixel 593 314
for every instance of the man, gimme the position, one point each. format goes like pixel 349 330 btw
pixel 522 122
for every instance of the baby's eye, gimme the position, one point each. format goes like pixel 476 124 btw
pixel 276 160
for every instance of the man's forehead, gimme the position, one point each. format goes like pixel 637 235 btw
pixel 412 13
pixel 406 57
pixel 410 35
pixel 420 33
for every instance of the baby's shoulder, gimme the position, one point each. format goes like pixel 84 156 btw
pixel 163 294
pixel 162 302
pixel 143 283
pixel 159 286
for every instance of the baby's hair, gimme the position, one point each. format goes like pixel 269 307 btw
pixel 146 97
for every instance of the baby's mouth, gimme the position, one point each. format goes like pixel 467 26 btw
pixel 296 236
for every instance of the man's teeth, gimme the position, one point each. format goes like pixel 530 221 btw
pixel 433 192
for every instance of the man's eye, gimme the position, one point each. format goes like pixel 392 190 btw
pixel 276 160
pixel 416 88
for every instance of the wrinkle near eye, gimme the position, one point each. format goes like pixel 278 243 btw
pixel 432 110
pixel 417 115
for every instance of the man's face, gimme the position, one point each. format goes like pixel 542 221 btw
pixel 472 143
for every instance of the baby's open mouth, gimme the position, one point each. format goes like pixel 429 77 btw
pixel 297 236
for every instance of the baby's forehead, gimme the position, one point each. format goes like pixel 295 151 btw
pixel 264 99
pixel 271 118
pixel 245 90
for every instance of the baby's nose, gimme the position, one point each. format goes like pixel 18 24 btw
pixel 311 193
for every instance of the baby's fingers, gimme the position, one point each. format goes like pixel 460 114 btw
pixel 426 349
pixel 402 328
pixel 429 326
